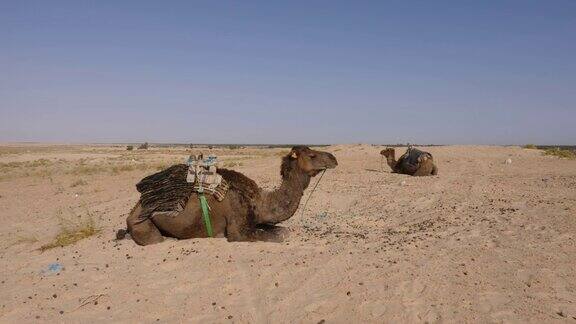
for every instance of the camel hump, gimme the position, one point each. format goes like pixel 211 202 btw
pixel 240 182
pixel 415 156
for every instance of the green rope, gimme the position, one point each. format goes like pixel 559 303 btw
pixel 205 213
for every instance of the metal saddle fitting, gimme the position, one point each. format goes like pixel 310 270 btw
pixel 202 173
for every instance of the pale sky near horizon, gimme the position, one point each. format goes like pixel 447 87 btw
pixel 428 72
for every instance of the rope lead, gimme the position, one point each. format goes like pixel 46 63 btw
pixel 313 189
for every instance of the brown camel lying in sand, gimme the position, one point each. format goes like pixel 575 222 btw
pixel 248 213
pixel 414 162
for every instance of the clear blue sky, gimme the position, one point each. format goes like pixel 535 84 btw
pixel 456 72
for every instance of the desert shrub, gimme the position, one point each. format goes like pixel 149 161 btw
pixel 530 146
pixel 566 154
pixel 72 231
pixel 129 148
pixel 143 146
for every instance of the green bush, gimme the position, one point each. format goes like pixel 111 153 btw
pixel 566 154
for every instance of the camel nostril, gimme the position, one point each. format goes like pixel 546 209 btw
pixel 333 160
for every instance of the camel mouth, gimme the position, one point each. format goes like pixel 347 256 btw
pixel 315 172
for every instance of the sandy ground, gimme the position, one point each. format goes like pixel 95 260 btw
pixel 484 241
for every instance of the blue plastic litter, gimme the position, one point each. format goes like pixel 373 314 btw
pixel 53 268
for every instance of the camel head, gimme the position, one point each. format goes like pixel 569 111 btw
pixel 388 152
pixel 307 161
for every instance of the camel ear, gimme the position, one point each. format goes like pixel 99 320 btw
pixel 294 155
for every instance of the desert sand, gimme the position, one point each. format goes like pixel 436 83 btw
pixel 484 241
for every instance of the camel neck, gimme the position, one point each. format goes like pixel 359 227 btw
pixel 391 160
pixel 280 204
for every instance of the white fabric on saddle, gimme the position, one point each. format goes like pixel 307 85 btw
pixel 202 173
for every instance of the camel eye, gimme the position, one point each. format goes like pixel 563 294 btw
pixel 312 156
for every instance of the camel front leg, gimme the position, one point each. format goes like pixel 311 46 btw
pixel 143 232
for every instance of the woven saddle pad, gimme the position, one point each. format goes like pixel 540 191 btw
pixel 169 190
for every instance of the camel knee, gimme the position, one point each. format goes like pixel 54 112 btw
pixel 143 232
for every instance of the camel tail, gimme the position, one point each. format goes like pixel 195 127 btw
pixel 121 234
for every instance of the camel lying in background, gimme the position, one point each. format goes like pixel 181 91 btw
pixel 414 162
pixel 248 213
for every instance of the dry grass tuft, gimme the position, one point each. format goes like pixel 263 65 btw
pixel 82 169
pixel 117 169
pixel 566 154
pixel 72 231
pixel 231 164
pixel 22 240
pixel 79 182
